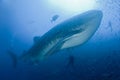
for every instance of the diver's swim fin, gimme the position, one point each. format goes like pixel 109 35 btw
pixel 14 58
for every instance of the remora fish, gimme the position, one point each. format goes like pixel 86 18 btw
pixel 70 33
pixel 54 18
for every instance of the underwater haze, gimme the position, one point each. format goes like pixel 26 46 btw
pixel 24 21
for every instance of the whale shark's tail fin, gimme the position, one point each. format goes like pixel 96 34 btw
pixel 13 57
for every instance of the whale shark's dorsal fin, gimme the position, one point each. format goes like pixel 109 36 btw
pixel 36 39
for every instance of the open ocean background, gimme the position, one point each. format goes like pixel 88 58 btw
pixel 98 59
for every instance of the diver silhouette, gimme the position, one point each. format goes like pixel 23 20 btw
pixel 71 60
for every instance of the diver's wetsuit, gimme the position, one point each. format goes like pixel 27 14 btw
pixel 70 61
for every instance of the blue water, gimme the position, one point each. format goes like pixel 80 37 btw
pixel 98 59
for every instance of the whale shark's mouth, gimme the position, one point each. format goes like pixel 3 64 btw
pixel 86 32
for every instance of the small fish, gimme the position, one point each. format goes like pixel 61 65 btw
pixel 54 18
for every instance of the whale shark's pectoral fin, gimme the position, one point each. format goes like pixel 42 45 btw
pixel 36 39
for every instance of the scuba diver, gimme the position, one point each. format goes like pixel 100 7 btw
pixel 71 60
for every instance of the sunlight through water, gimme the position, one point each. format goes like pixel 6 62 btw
pixel 72 5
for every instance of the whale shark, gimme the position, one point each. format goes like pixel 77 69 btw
pixel 70 33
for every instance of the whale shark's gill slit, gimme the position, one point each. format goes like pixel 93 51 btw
pixel 54 49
